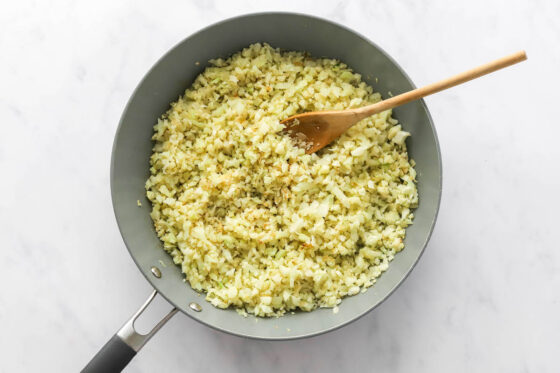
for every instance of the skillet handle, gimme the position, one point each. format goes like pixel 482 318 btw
pixel 112 357
pixel 124 345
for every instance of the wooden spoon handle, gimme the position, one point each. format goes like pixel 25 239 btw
pixel 463 77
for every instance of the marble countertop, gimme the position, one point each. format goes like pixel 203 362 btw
pixel 486 295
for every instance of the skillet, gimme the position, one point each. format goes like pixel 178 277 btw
pixel 132 147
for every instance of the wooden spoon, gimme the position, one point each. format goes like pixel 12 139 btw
pixel 315 130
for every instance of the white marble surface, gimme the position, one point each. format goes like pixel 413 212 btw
pixel 486 295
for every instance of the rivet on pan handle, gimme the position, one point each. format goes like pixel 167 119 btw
pixel 124 345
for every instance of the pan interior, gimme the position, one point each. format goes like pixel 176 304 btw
pixel 175 72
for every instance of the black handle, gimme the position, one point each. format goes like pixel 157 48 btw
pixel 112 357
pixel 124 345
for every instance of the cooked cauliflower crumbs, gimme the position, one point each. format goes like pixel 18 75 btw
pixel 252 220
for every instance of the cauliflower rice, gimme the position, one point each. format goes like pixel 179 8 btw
pixel 252 220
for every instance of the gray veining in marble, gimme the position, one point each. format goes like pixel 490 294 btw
pixel 486 295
